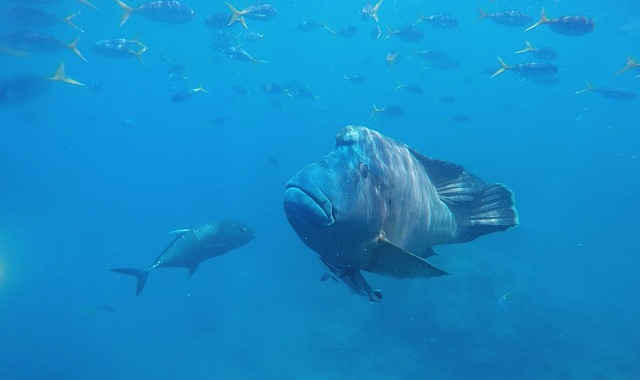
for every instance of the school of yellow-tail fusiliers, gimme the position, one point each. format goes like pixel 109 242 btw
pixel 24 35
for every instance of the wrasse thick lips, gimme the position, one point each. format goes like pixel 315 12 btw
pixel 311 207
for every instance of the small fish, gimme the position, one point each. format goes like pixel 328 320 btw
pixel 239 54
pixel 120 48
pixel 541 54
pixel 28 17
pixel 259 11
pixel 178 72
pixel 388 111
pixel 272 88
pixel 567 25
pixel 615 93
pixel 309 25
pixel 105 308
pixel 36 42
pixel 392 58
pixel 168 11
pixel 217 121
pixel 218 21
pixel 222 40
pixel 411 88
pixel 240 90
pixel 631 64
pixel 442 21
pixel 192 246
pixel 432 55
pixel 356 79
pixel 187 94
pixel 530 69
pixel 251 35
pixel 369 10
pixel 348 30
pixel 407 33
pixel 296 89
pixel 507 18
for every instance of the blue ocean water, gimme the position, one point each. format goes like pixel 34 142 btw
pixel 94 179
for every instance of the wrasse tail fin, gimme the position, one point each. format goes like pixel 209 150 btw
pixel 74 48
pixel 501 70
pixel 543 20
pixel 69 21
pixel 493 210
pixel 61 77
pixel 126 12
pixel 140 274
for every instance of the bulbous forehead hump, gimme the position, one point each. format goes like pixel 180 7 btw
pixel 349 135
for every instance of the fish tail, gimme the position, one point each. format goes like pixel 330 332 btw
pixel 139 53
pixel 491 211
pixel 588 88
pixel 543 20
pixel 328 29
pixel 374 12
pixel 74 48
pixel 527 49
pixel 126 12
pixel 389 33
pixel 376 110
pixel 631 63
pixel 69 21
pixel 501 70
pixel 398 87
pixel 88 3
pixel 61 77
pixel 200 88
pixel 256 61
pixel 482 14
pixel 236 16
pixel 140 274
pixel 17 53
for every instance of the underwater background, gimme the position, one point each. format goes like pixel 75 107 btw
pixel 94 176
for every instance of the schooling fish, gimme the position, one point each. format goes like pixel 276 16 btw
pixel 28 17
pixel 369 10
pixel 530 69
pixel 410 88
pixel 169 11
pixel 376 205
pixel 615 93
pixel 259 11
pixel 442 21
pixel 541 54
pixel 218 20
pixel 24 88
pixel 347 30
pixel 120 48
pixel 356 79
pixel 567 25
pixel 507 18
pixel 36 42
pixel 388 111
pixel 309 25
pixel 239 54
pixel 193 246
pixel 186 94
pixel 407 33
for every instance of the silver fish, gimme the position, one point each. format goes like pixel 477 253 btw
pixel 192 246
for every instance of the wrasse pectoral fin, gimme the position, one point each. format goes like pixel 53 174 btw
pixel 126 12
pixel 61 77
pixel 391 260
pixel 74 48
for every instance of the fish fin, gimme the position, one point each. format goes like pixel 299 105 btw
pixel 180 232
pixel 631 63
pixel 501 70
pixel 375 9
pixel 126 12
pixel 138 55
pixel 74 48
pixel 482 14
pixel 326 276
pixel 493 210
pixel 88 4
pixel 140 274
pixel 442 173
pixel 61 77
pixel 192 268
pixel 588 88
pixel 527 49
pixel 391 260
pixel 236 16
pixel 428 253
pixel 69 21
pixel 543 20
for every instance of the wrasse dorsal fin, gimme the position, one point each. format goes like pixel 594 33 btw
pixel 73 45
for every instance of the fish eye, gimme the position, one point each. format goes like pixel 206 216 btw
pixel 363 169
